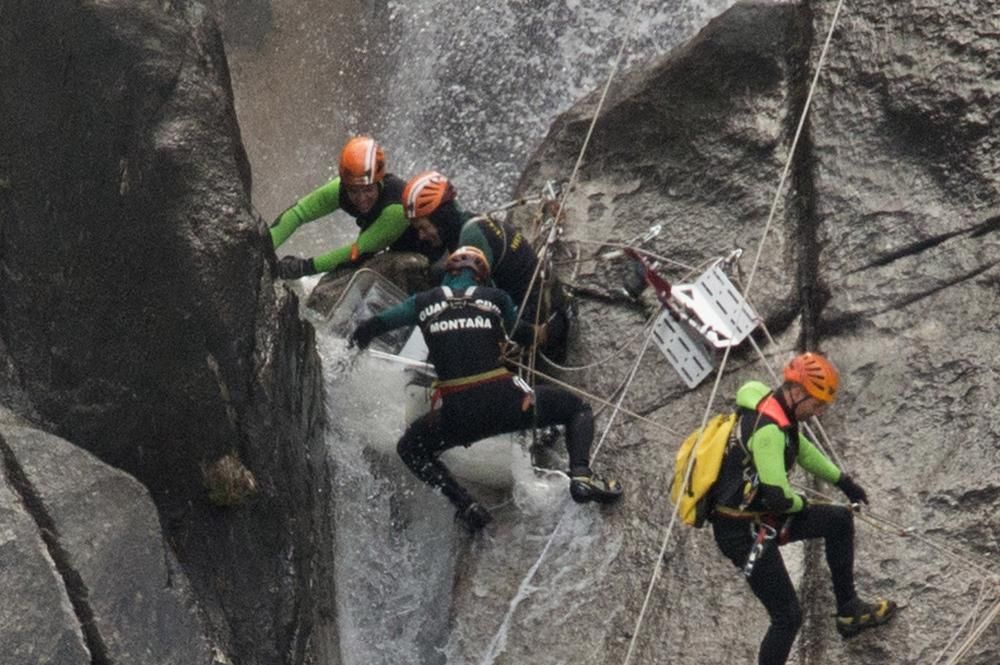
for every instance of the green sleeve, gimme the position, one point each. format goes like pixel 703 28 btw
pixel 815 462
pixel 311 207
pixel 472 236
pixel 767 445
pixel 389 226
pixel 403 314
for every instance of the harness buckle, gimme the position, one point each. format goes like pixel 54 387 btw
pixel 762 532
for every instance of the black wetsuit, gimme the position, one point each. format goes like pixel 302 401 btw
pixel 776 446
pixel 513 263
pixel 464 326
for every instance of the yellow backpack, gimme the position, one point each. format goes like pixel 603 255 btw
pixel 711 447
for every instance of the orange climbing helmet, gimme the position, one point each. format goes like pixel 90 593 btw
pixel 815 374
pixel 425 193
pixel 469 257
pixel 362 162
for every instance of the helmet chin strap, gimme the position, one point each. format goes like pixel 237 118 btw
pixel 795 404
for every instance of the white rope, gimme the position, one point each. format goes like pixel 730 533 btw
pixel 640 250
pixel 491 652
pixel 968 619
pixel 643 331
pixel 950 553
pixel 498 642
pixel 621 398
pixel 885 524
pixel 582 393
pixel 760 249
pixel 597 111
pixel 583 151
pixel 795 142
pixel 673 516
pixel 976 634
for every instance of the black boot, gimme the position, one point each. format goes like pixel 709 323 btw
pixel 591 487
pixel 473 517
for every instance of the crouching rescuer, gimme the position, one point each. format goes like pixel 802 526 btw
pixel 463 323
pixel 755 508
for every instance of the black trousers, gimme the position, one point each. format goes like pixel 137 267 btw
pixel 487 410
pixel 770 581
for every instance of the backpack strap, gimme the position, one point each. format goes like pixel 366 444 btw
pixel 736 440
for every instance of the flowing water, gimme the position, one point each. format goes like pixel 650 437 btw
pixel 467 87
pixel 470 88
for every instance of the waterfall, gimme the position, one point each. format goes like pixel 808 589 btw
pixel 469 88
pixel 397 542
pixel 462 86
pixel 395 551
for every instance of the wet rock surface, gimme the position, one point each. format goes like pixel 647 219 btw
pixel 139 316
pixel 139 320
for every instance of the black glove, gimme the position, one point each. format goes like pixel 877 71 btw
pixel 366 331
pixel 292 267
pixel 855 493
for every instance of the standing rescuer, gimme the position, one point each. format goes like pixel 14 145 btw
pixel 476 397
pixel 754 503
pixel 364 190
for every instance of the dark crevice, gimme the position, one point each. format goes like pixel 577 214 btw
pixel 845 324
pixel 858 320
pixel 908 250
pixel 812 294
pixel 990 225
pixel 906 302
pixel 802 211
pixel 79 596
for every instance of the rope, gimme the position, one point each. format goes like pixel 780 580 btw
pixel 673 516
pixel 760 250
pixel 878 520
pixel 606 359
pixel 975 635
pixel 795 142
pixel 496 644
pixel 582 393
pixel 600 104
pixel 636 248
pixel 583 149
pixel 628 383
pixel 968 619
pixel 889 526
pixel 989 576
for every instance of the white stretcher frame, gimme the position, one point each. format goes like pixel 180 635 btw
pixel 710 310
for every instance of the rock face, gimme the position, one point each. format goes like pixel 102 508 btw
pixel 883 252
pixel 139 321
pixel 94 580
pixel 138 317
